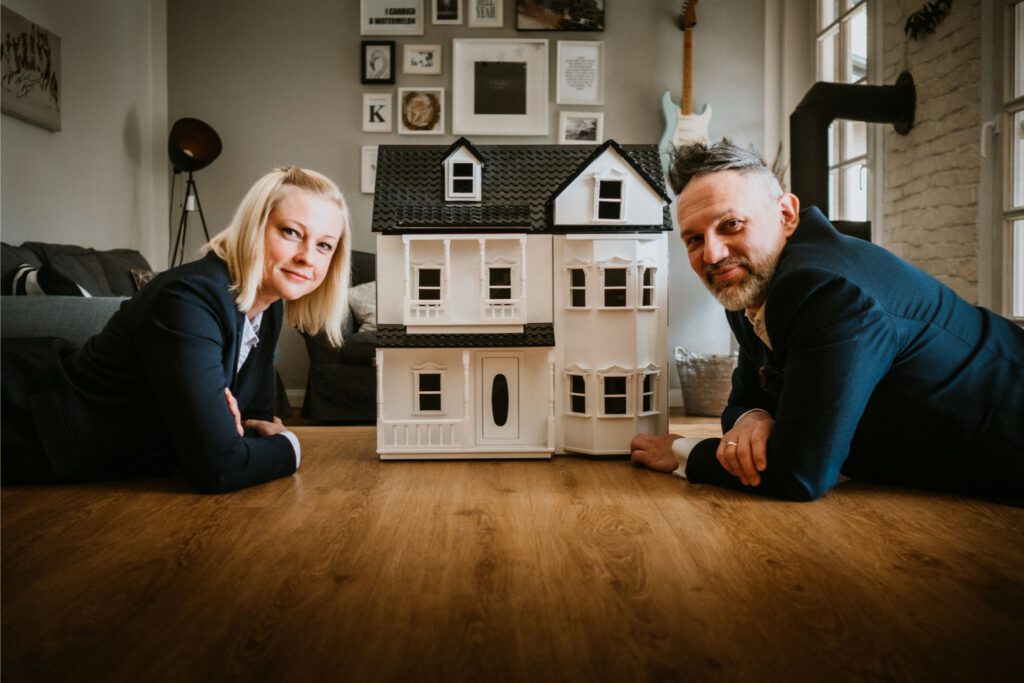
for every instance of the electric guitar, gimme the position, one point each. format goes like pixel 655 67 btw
pixel 682 126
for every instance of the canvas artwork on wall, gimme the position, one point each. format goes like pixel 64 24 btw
pixel 30 75
pixel 559 15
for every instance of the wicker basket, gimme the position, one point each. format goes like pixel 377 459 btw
pixel 705 381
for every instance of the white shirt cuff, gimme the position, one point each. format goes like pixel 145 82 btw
pixel 681 448
pixel 752 410
pixel 295 446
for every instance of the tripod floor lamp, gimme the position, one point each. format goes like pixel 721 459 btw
pixel 191 145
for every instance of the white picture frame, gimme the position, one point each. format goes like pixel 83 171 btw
pixel 368 169
pixel 485 13
pixel 422 59
pixel 580 72
pixel 391 17
pixel 500 87
pixel 421 111
pixel 580 127
pixel 377 112
pixel 446 12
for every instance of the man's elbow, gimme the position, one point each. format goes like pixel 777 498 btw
pixel 793 486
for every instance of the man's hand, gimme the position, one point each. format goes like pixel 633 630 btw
pixel 743 449
pixel 264 428
pixel 654 452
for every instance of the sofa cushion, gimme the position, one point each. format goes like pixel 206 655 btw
pixel 71 318
pixel 101 273
pixel 118 265
pixel 362 299
pixel 364 267
pixel 32 280
pixel 359 349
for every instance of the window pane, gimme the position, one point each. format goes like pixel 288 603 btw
pixel 615 405
pixel 611 189
pixel 1017 173
pixel 609 210
pixel 827 57
pixel 646 403
pixel 615 277
pixel 826 12
pixel 462 186
pixel 1018 50
pixel 645 298
pixel 615 298
pixel 462 170
pixel 430 277
pixel 501 276
pixel 648 380
pixel 833 143
pixel 855 31
pixel 430 401
pixel 579 278
pixel 430 382
pixel 614 385
pixel 579 404
pixel 578 385
pixel 855 139
pixel 854 194
pixel 1017 264
pixel 579 298
pixel 833 195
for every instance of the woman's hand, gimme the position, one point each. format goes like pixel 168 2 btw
pixel 264 428
pixel 233 407
pixel 743 449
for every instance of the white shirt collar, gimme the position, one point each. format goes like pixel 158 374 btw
pixel 250 337
pixel 756 319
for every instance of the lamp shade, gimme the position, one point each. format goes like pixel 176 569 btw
pixel 192 145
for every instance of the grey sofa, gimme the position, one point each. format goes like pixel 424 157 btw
pixel 342 384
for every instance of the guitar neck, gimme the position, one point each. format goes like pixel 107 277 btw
pixel 687 99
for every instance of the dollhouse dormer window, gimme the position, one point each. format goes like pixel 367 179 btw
pixel 462 178
pixel 609 197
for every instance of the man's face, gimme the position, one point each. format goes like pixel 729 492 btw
pixel 734 230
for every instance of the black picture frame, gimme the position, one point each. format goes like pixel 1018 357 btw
pixel 377 62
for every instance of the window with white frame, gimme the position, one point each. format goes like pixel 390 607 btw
pixel 648 387
pixel 462 178
pixel 842 57
pixel 615 394
pixel 616 287
pixel 608 198
pixel 577 288
pixel 428 284
pixel 647 286
pixel 577 385
pixel 499 283
pixel 428 385
pixel 1013 167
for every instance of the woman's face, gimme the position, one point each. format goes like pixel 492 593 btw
pixel 302 234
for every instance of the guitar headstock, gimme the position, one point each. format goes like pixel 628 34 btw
pixel 687 15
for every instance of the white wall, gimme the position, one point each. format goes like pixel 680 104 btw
pixel 280 83
pixel 101 181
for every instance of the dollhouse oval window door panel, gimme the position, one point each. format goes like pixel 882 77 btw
pixel 499 400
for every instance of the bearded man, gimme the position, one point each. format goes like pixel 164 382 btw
pixel 852 362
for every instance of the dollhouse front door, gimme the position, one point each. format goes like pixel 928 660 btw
pixel 499 392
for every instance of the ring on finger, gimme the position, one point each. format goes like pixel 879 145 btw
pixel 731 443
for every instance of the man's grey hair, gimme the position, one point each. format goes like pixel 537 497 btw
pixel 699 159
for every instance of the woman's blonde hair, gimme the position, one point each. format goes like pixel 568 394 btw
pixel 240 245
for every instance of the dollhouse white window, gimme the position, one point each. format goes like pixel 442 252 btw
pixel 577 288
pixel 462 179
pixel 648 391
pixel 614 395
pixel 577 384
pixel 647 287
pixel 499 285
pixel 615 287
pixel 428 385
pixel 609 193
pixel 428 284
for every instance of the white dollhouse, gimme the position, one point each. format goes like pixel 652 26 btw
pixel 521 299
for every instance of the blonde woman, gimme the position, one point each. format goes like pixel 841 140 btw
pixel 182 376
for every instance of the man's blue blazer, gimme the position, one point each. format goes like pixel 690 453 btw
pixel 877 371
pixel 149 388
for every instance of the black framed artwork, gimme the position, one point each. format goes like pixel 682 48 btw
pixel 559 15
pixel 377 61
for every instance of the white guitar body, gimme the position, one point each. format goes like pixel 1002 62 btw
pixel 681 129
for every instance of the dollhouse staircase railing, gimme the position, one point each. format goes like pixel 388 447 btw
pixel 422 433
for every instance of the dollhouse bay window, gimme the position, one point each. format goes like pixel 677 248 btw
pixel 577 385
pixel 648 390
pixel 615 395
pixel 577 281
pixel 647 281
pixel 615 288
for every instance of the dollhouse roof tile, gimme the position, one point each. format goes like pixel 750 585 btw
pixel 533 334
pixel 518 184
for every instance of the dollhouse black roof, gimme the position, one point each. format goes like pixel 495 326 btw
pixel 520 183
pixel 533 334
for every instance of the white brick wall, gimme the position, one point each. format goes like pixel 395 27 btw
pixel 931 176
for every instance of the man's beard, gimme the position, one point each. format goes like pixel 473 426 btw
pixel 749 291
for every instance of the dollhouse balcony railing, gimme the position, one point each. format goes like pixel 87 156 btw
pixel 426 310
pixel 502 309
pixel 422 433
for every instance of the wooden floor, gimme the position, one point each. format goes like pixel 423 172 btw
pixel 570 570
